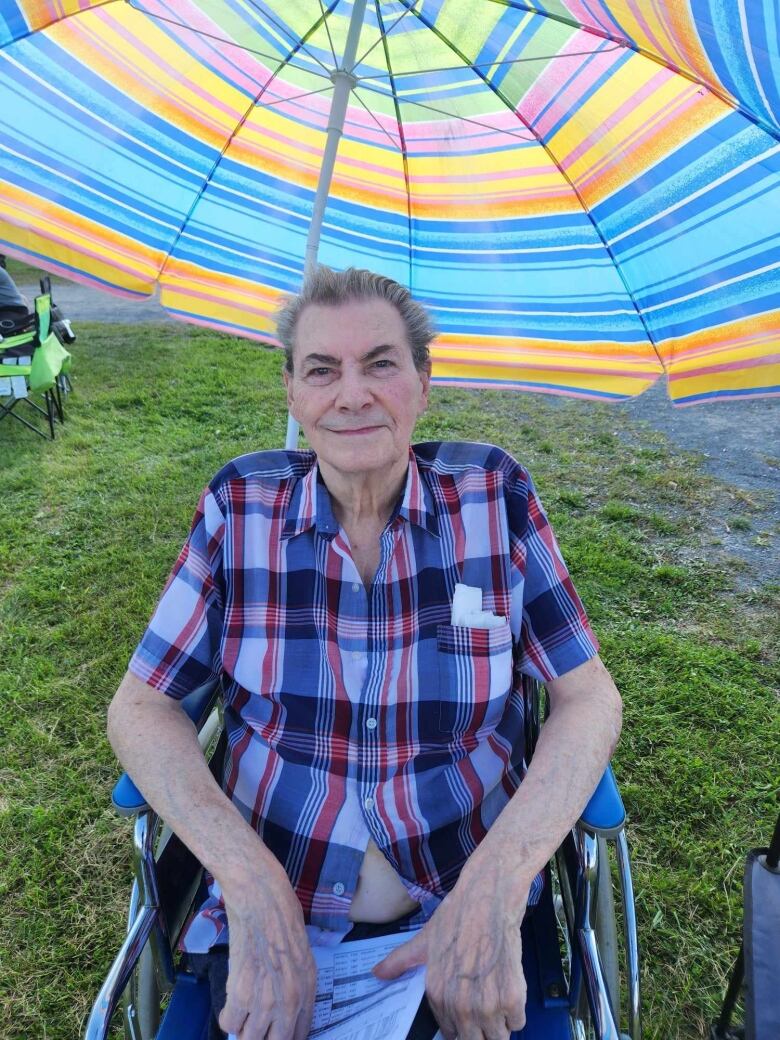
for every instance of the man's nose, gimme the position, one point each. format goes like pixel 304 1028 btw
pixel 354 391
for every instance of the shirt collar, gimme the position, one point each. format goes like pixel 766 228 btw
pixel 310 504
pixel 417 503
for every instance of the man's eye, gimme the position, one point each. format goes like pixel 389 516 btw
pixel 384 363
pixel 318 372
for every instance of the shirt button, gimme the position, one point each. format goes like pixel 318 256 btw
pixel 338 889
pixel 356 655
pixel 355 587
pixel 368 803
pixel 370 723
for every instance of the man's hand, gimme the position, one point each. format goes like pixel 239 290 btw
pixel 272 979
pixel 472 949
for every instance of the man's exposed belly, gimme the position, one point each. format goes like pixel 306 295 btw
pixel 380 894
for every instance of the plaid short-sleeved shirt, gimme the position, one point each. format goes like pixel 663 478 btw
pixel 359 713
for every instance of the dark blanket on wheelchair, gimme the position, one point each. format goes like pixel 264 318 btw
pixel 13 323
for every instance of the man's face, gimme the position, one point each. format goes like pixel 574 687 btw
pixel 354 389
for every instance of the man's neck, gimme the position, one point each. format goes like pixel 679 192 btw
pixel 364 498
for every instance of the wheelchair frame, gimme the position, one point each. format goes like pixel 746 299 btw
pixel 580 890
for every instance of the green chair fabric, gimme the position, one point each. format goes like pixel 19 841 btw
pixel 49 360
pixel 41 369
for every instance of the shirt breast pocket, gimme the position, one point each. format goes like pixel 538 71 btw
pixel 475 677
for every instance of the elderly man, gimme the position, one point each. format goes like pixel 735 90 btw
pixel 375 778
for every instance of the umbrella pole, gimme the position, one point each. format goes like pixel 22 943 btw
pixel 343 82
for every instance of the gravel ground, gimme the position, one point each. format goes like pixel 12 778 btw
pixel 737 443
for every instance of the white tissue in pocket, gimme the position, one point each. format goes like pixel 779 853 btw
pixel 467 609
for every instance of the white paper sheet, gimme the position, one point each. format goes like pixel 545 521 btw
pixel 353 1005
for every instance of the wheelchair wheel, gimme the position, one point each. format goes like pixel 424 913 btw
pixel 142 1010
pixel 605 927
pixel 604 924
pixel 142 996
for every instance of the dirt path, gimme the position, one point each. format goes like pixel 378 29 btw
pixel 738 443
pixel 80 303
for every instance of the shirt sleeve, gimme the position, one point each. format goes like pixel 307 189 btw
pixel 180 649
pixel 554 633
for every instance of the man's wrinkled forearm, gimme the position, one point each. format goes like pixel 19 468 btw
pixel 573 750
pixel 158 746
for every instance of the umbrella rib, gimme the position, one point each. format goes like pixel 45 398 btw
pixel 232 137
pixel 291 36
pixel 224 39
pixel 384 130
pixel 575 192
pixel 295 97
pixel 401 135
pixel 327 30
pixel 622 41
pixel 383 33
pixel 451 115
pixel 496 64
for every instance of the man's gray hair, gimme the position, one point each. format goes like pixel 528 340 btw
pixel 329 288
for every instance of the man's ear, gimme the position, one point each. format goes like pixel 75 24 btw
pixel 425 379
pixel 288 382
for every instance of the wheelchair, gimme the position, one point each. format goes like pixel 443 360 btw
pixel 582 976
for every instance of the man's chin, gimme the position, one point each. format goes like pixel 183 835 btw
pixel 353 458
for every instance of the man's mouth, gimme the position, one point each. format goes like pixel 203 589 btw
pixel 356 431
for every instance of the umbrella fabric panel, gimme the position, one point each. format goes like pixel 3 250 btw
pixel 729 45
pixel 433 203
pixel 570 207
pixel 104 147
pixel 251 222
pixel 641 147
pixel 134 112
pixel 484 273
pixel 684 192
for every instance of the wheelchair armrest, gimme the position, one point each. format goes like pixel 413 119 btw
pixel 125 797
pixel 604 814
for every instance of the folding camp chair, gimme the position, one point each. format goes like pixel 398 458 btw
pixel 579 988
pixel 756 972
pixel 36 362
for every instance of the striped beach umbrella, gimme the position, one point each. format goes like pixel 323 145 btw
pixel 586 193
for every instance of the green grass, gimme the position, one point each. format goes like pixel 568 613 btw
pixel 90 524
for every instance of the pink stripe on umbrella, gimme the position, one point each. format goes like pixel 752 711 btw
pixel 551 82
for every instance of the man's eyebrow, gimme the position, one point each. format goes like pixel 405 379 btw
pixel 376 351
pixel 328 359
pixel 324 359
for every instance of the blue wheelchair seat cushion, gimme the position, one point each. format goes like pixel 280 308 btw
pixel 187 1015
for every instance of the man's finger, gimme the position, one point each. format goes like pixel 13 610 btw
pixel 306 1014
pixel 515 1018
pixel 515 1007
pixel 446 1024
pixel 410 955
pixel 233 1016
pixel 281 1029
